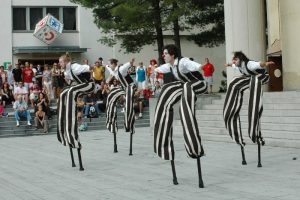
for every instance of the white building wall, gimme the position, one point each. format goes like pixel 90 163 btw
pixel 5 33
pixel 290 31
pixel 244 30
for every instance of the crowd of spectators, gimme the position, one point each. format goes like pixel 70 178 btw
pixel 28 87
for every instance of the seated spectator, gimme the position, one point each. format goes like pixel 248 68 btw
pixel 21 110
pixel 2 109
pixel 157 89
pixel 105 92
pixel 147 95
pixel 79 105
pixel 139 103
pixel 44 102
pixel 90 103
pixel 7 92
pixel 3 98
pixel 20 90
pixel 34 90
pixel 41 119
pixel 115 84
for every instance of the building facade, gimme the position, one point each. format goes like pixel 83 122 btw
pixel 266 30
pixel 80 37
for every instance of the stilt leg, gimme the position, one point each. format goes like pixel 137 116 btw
pixel 72 157
pixel 174 173
pixel 259 153
pixel 115 144
pixel 80 162
pixel 130 150
pixel 243 156
pixel 201 185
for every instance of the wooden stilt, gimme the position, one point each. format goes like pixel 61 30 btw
pixel 72 157
pixel 80 161
pixel 115 144
pixel 201 185
pixel 174 173
pixel 243 156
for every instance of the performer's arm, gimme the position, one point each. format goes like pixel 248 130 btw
pixel 124 68
pixel 109 79
pixel 266 64
pixel 165 68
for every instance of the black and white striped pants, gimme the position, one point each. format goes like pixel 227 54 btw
pixel 234 102
pixel 163 120
pixel 111 109
pixel 67 127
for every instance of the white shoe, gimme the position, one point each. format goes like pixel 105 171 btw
pixel 28 123
pixel 18 124
pixel 123 110
pixel 136 117
pixel 140 115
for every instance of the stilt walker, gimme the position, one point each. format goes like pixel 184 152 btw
pixel 254 75
pixel 189 82
pixel 126 90
pixel 80 83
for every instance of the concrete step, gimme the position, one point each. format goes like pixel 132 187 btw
pixel 264 119
pixel 282 100
pixel 271 113
pixel 265 126
pixel 277 106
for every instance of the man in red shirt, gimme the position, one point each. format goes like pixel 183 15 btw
pixel 208 70
pixel 27 76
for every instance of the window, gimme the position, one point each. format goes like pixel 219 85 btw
pixel 19 19
pixel 69 18
pixel 53 11
pixel 36 14
pixel 25 18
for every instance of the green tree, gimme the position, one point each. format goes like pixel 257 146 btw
pixel 141 22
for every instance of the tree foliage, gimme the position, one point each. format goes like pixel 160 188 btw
pixel 141 22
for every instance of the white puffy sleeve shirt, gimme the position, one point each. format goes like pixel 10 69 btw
pixel 76 69
pixel 123 70
pixel 185 66
pixel 251 65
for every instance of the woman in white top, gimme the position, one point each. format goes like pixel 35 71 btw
pixel 78 76
pixel 127 89
pixel 254 75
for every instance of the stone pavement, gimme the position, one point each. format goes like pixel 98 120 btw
pixel 39 167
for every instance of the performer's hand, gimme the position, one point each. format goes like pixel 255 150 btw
pixel 269 63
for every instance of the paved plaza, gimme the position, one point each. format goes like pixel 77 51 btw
pixel 39 167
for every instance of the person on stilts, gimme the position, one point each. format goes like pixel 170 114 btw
pixel 254 76
pixel 79 80
pixel 189 82
pixel 126 90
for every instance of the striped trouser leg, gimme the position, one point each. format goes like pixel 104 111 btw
pixel 232 106
pixel 255 106
pixel 191 133
pixel 71 112
pixel 111 109
pixel 163 120
pixel 61 110
pixel 129 110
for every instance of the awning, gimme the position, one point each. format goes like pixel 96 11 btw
pixel 48 49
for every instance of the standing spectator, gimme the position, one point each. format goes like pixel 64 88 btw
pixel 79 106
pixel 105 92
pixel 141 76
pixel 7 92
pixel 41 119
pixel 61 79
pixel 10 77
pixel 27 76
pixel 39 75
pixel 2 76
pixel 150 72
pixel 85 61
pixel 34 72
pixel 132 71
pixel 47 83
pixel 55 73
pixel 21 110
pixel 98 72
pixel 20 90
pixel 17 74
pixel 208 70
